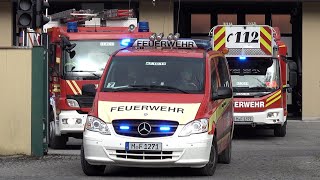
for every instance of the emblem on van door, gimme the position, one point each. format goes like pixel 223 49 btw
pixel 144 129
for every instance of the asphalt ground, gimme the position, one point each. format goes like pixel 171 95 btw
pixel 256 154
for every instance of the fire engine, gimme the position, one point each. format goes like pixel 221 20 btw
pixel 80 44
pixel 259 72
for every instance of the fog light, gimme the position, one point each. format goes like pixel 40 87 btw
pixel 64 121
pixel 78 121
pixel 272 114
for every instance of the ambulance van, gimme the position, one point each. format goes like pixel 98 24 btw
pixel 160 103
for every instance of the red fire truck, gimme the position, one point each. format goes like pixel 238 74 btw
pixel 77 56
pixel 258 67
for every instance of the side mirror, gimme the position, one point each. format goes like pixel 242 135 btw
pixel 222 93
pixel 72 54
pixel 89 89
pixel 293 76
pixel 66 45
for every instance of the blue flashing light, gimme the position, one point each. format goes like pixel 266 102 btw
pixel 242 58
pixel 165 128
pixel 143 26
pixel 124 127
pixel 125 42
pixel 72 27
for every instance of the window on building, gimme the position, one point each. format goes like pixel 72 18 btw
pixel 283 22
pixel 227 18
pixel 259 19
pixel 200 23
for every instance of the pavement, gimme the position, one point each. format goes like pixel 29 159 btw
pixel 256 154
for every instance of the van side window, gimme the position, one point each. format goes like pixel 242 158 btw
pixel 223 72
pixel 214 82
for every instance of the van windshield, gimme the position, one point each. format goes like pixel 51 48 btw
pixel 155 74
pixel 254 74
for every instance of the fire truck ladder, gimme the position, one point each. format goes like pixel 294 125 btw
pixel 85 15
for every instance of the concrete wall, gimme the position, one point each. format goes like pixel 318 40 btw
pixel 160 16
pixel 6 29
pixel 15 109
pixel 311 61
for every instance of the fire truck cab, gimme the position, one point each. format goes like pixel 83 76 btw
pixel 259 72
pixel 79 50
pixel 160 103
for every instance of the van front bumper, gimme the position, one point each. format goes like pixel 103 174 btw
pixel 190 151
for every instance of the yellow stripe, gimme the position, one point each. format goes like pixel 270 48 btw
pixel 271 102
pixel 266 45
pixel 219 33
pixel 218 113
pixel 77 87
pixel 224 137
pixel 73 90
pixel 271 97
pixel 268 35
pixel 217 47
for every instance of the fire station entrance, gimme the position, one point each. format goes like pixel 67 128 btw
pixel 194 20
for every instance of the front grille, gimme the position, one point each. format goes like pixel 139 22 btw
pixel 143 155
pixel 133 125
pixel 84 101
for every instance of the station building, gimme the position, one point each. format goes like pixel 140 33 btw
pixel 298 21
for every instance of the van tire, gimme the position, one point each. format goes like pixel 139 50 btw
pixel 280 131
pixel 210 168
pixel 88 169
pixel 225 156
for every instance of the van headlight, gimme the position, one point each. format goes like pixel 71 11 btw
pixel 195 127
pixel 97 125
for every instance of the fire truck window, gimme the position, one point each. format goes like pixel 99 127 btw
pixel 91 56
pixel 254 74
pixel 223 72
pixel 186 74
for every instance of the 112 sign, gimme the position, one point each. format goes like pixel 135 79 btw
pixel 238 37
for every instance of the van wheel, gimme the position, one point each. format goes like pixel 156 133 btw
pixel 56 142
pixel 88 169
pixel 280 131
pixel 210 168
pixel 225 156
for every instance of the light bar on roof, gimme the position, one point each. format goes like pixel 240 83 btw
pixel 181 43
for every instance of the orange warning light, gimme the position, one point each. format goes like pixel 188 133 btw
pixel 225 51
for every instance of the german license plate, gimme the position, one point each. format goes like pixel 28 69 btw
pixel 243 118
pixel 139 146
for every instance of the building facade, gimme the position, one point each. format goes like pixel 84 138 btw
pixel 297 20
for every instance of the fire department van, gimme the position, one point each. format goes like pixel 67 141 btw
pixel 260 72
pixel 160 103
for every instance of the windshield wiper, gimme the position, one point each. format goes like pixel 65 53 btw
pixel 91 72
pixel 147 88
